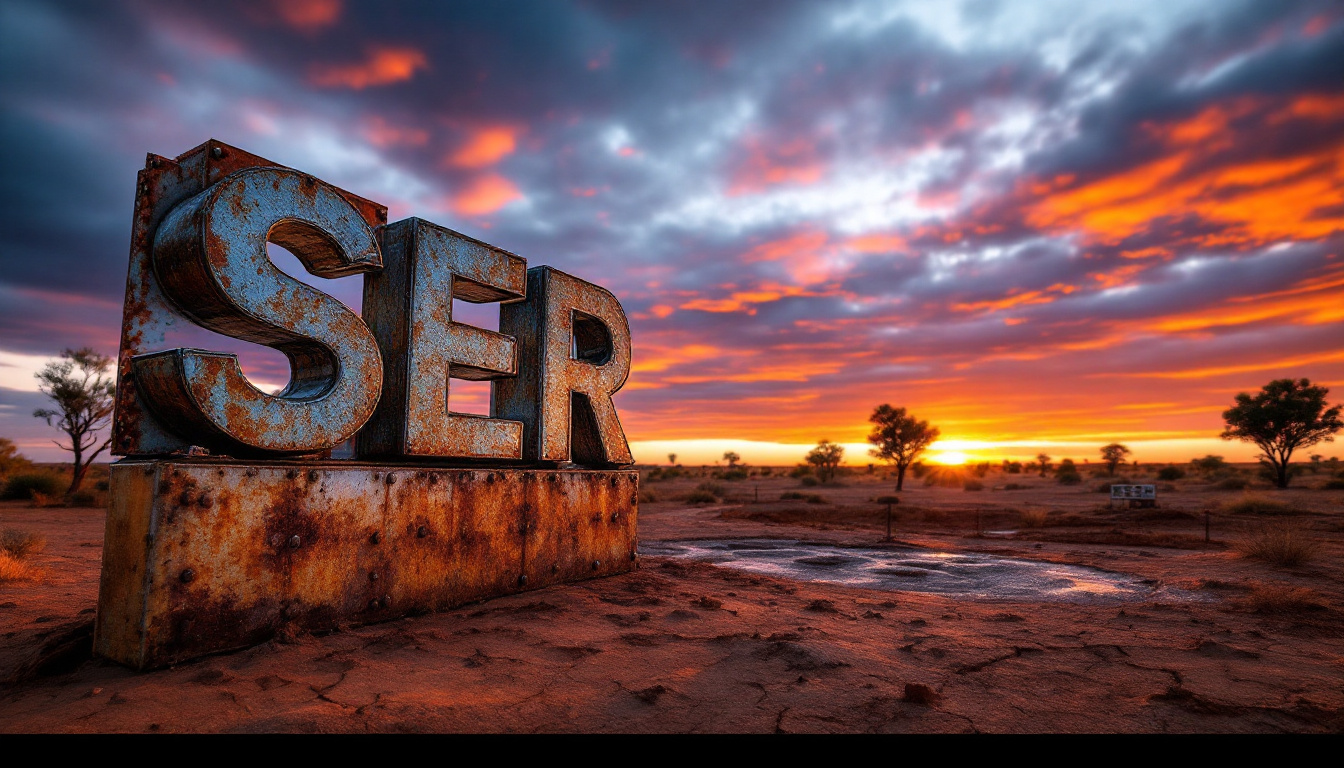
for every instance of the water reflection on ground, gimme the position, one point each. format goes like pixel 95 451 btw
pixel 969 575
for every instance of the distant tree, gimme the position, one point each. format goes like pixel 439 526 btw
pixel 1209 464
pixel 1287 414
pixel 899 438
pixel 82 391
pixel 11 460
pixel 1043 463
pixel 826 457
pixel 732 458
pixel 1067 473
pixel 672 458
pixel 1112 456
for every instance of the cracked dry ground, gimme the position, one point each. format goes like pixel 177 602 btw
pixel 690 647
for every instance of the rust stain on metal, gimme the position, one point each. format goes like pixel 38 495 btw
pixel 319 546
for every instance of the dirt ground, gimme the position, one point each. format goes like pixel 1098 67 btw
pixel 680 646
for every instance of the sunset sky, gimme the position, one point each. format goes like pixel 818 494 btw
pixel 1042 226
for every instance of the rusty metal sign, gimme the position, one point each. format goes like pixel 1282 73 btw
pixel 228 518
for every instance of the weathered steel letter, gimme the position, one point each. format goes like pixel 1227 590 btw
pixel 409 308
pixel 574 353
pixel 210 257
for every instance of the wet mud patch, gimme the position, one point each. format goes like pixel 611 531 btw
pixel 970 575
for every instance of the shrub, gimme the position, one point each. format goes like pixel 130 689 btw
pixel 701 497
pixel 1257 505
pixel 1281 598
pixel 1069 478
pixel 1278 544
pixel 1171 473
pixel 41 499
pixel 1033 518
pixel 713 488
pixel 20 544
pixel 13 569
pixel 24 485
pixel 973 485
pixel 809 481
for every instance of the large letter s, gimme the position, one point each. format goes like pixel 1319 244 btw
pixel 210 257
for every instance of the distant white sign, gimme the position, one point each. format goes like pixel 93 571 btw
pixel 1135 495
pixel 1133 491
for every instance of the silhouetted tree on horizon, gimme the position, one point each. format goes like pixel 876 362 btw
pixel 1285 415
pixel 900 438
pixel 1113 455
pixel 826 457
pixel 83 393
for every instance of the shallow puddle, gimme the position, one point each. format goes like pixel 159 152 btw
pixel 970 575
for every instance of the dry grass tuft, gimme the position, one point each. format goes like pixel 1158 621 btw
pixel 14 569
pixel 40 499
pixel 1033 518
pixel 1281 598
pixel 1279 544
pixel 20 544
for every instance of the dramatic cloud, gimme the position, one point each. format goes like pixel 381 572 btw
pixel 1038 224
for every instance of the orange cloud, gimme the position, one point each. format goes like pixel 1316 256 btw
pixel 485 194
pixel 485 147
pixel 1255 201
pixel 793 162
pixel 1016 299
pixel 383 66
pixel 876 243
pixel 1316 302
pixel 308 15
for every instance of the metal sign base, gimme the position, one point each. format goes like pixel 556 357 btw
pixel 203 556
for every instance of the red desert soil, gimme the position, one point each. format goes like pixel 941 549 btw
pixel 690 647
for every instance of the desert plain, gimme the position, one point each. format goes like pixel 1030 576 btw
pixel 1220 641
